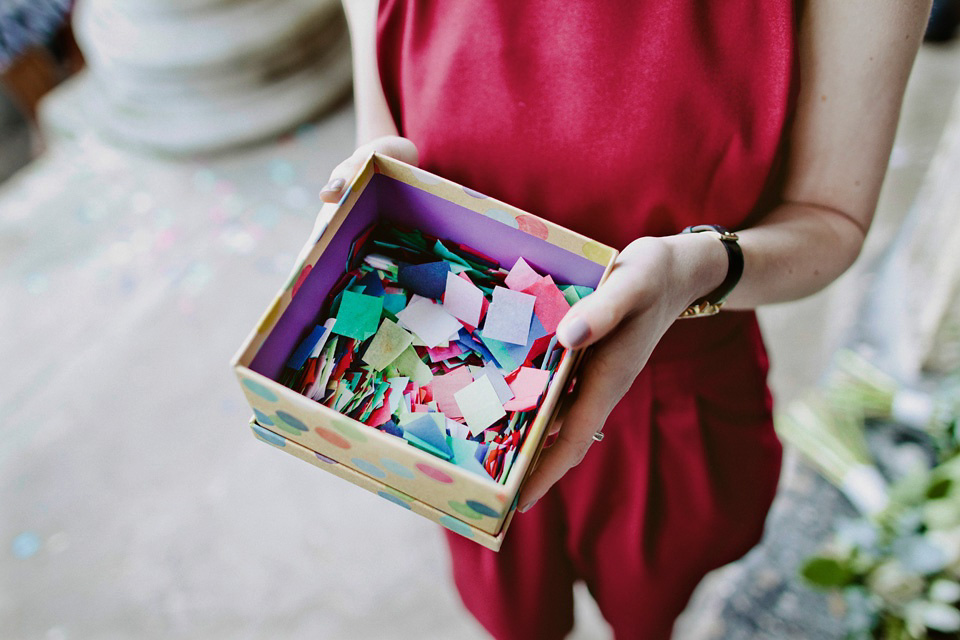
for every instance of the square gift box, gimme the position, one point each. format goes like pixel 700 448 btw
pixel 390 191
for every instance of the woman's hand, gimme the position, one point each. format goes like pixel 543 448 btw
pixel 652 282
pixel 394 146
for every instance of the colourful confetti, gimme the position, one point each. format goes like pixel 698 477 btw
pixel 432 342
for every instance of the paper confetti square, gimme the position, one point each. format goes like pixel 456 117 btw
pixel 479 404
pixel 438 354
pixel 496 379
pixel 303 350
pixel 509 315
pixel 551 305
pixel 463 300
pixel 429 321
pixel 389 342
pixel 427 280
pixel 510 356
pixel 570 293
pixel 521 276
pixel 465 456
pixel 409 364
pixel 358 316
pixel 424 426
pixel 444 387
pixel 527 384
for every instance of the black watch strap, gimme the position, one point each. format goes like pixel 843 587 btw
pixel 711 303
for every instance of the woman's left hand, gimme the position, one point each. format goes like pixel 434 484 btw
pixel 651 283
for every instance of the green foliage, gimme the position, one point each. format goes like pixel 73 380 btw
pixel 826 573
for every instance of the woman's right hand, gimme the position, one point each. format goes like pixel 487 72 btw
pixel 394 146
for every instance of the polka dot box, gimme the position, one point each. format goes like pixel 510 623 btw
pixel 392 191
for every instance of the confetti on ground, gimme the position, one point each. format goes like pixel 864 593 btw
pixel 398 346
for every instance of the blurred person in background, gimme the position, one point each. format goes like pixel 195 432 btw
pixel 37 50
pixel 944 19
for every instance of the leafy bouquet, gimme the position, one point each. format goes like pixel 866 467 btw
pixel 897 566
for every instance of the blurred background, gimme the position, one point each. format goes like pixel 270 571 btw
pixel 159 168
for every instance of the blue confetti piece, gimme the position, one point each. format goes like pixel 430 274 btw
pixel 391 427
pixel 428 280
pixel 425 428
pixel 303 350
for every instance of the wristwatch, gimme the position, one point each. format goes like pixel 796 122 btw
pixel 710 304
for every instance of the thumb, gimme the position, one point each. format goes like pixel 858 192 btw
pixel 601 312
pixel 394 146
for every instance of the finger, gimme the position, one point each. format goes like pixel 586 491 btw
pixel 604 380
pixel 394 146
pixel 555 426
pixel 340 177
pixel 566 401
pixel 620 295
pixel 399 148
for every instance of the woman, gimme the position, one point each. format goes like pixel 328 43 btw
pixel 629 122
pixel 29 31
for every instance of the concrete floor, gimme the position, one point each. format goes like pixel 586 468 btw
pixel 133 500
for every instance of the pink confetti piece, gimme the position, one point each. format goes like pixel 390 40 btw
pixel 521 276
pixel 527 385
pixel 463 300
pixel 444 387
pixel 551 304
pixel 438 354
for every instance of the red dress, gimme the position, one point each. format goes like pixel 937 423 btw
pixel 617 120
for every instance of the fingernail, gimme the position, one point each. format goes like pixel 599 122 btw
pixel 574 333
pixel 528 506
pixel 333 185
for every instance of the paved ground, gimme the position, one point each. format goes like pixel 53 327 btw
pixel 134 502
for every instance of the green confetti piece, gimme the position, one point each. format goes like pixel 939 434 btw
pixel 479 404
pixel 390 341
pixel 409 364
pixel 448 255
pixel 394 302
pixel 570 294
pixel 426 446
pixel 358 316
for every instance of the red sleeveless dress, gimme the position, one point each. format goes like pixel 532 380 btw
pixel 617 120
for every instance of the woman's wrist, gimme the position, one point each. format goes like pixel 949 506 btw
pixel 700 264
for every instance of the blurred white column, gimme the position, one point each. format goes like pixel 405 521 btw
pixel 187 76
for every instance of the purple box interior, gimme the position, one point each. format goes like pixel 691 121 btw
pixel 388 199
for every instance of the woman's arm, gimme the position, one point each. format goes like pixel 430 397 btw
pixel 373 114
pixel 855 58
pixel 376 130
